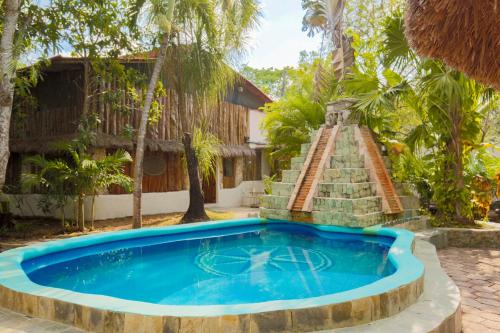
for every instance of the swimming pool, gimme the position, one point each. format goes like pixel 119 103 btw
pixel 217 269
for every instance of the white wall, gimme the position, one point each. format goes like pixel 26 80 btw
pixel 256 134
pixel 110 206
pixel 234 197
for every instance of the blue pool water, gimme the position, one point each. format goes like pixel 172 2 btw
pixel 231 265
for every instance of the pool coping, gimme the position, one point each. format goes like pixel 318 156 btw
pixel 380 299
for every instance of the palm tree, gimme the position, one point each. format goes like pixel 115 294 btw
pixel 446 102
pixel 326 16
pixel 207 33
pixel 77 176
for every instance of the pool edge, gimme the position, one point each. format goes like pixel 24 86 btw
pixel 303 316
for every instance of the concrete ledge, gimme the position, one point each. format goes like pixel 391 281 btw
pixel 462 237
pixel 437 310
pixel 476 238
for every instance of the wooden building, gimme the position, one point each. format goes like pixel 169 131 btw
pixel 55 109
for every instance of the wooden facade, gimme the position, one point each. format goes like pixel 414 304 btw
pixel 59 107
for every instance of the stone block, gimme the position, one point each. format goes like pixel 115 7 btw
pixel 341 314
pixel 290 176
pixel 64 312
pixel 46 308
pixel 404 296
pixel 282 189
pixel 389 303
pixel 275 201
pixel 305 320
pixel 362 310
pixel 191 325
pixel 275 214
pixel 7 298
pixel 113 322
pixel 375 307
pixel 93 319
pixel 269 322
pixel 29 304
pixel 171 324
pixel 234 324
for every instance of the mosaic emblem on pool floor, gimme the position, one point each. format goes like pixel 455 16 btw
pixel 247 259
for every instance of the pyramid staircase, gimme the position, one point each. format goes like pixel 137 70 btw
pixel 338 179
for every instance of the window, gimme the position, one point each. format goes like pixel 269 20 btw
pixel 252 167
pixel 228 167
pixel 228 179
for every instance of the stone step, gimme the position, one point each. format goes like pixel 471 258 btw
pixel 282 189
pixel 312 169
pixel 304 149
pixel 349 161
pixel 297 162
pixel 274 201
pixel 352 206
pixel 383 177
pixel 290 176
pixel 275 214
pixel 347 190
pixel 347 175
pixel 347 219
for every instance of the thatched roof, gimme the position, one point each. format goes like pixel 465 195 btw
pixel 236 150
pixel 116 142
pixel 465 34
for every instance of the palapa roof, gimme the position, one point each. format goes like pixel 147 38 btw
pixel 465 34
pixel 116 142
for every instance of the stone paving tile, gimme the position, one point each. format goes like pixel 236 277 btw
pixel 12 322
pixel 477 274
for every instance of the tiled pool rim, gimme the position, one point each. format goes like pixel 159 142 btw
pixel 378 300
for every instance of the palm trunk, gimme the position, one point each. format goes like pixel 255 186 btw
pixel 196 210
pixel 63 219
pixel 7 73
pixel 92 218
pixel 86 87
pixel 81 212
pixel 139 153
pixel 456 149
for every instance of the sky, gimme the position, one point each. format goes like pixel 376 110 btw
pixel 279 40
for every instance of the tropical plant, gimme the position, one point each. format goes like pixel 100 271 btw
pixel 288 122
pixel 272 81
pixel 206 147
pixel 24 26
pixel 76 176
pixel 439 108
pixel 203 35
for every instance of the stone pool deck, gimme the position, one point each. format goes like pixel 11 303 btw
pixel 477 274
pixel 437 310
pixel 13 322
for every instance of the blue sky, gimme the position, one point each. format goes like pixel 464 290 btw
pixel 279 40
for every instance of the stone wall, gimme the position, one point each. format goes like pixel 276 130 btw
pixel 475 238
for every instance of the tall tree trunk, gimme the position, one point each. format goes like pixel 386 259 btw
pixel 92 219
pixel 86 87
pixel 456 149
pixel 7 72
pixel 139 152
pixel 196 210
pixel 81 212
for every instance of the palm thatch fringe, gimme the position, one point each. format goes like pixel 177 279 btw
pixel 115 142
pixel 465 34
pixel 227 151
pixel 41 146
